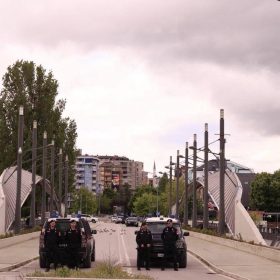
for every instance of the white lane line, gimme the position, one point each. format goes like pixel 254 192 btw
pixel 129 270
pixel 120 261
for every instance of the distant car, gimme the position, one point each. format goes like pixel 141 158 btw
pixel 87 248
pixel 120 220
pixel 113 219
pixel 89 218
pixel 131 221
pixel 156 226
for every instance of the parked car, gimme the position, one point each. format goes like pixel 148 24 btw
pixel 156 226
pixel 89 218
pixel 120 220
pixel 113 218
pixel 87 251
pixel 131 221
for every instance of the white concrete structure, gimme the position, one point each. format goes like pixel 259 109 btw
pixel 8 189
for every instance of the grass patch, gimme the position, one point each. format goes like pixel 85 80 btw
pixel 101 270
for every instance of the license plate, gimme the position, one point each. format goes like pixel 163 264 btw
pixel 160 255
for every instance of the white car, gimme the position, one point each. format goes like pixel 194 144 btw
pixel 114 219
pixel 89 218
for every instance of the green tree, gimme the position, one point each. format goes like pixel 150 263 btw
pixel 265 192
pixel 145 204
pixel 36 90
pixel 163 182
pixel 84 200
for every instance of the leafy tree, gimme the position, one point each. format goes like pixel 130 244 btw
pixel 144 204
pixel 36 90
pixel 265 192
pixel 84 200
pixel 163 182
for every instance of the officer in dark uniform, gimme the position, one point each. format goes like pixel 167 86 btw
pixel 51 239
pixel 73 239
pixel 169 237
pixel 144 242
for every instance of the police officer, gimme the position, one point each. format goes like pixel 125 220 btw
pixel 144 242
pixel 73 239
pixel 169 237
pixel 51 239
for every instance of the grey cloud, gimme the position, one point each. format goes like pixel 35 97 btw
pixel 237 32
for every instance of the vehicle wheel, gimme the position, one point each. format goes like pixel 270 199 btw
pixel 93 255
pixel 42 262
pixel 93 221
pixel 183 261
pixel 87 261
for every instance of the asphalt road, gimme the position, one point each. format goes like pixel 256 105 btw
pixel 115 243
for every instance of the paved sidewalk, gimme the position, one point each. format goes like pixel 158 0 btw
pixel 19 254
pixel 233 262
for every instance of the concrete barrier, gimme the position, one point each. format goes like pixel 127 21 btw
pixel 6 242
pixel 262 251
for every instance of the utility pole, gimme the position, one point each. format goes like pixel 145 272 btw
pixel 194 213
pixel 177 186
pixel 19 171
pixel 43 206
pixel 34 159
pixel 52 176
pixel 60 180
pixel 66 186
pixel 205 190
pixel 221 227
pixel 170 186
pixel 186 214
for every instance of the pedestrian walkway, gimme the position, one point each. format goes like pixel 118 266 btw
pixel 232 262
pixel 18 254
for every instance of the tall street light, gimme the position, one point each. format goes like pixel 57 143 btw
pixel 66 186
pixel 52 176
pixel 34 158
pixel 194 210
pixel 205 190
pixel 60 180
pixel 186 214
pixel 170 186
pixel 43 203
pixel 221 227
pixel 19 170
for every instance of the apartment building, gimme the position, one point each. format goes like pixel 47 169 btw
pixel 115 171
pixel 87 172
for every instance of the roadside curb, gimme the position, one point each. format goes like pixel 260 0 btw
pixel 13 266
pixel 216 269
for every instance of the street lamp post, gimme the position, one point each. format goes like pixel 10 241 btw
pixel 170 186
pixel 221 227
pixel 52 176
pixel 19 169
pixel 194 213
pixel 66 186
pixel 186 214
pixel 44 163
pixel 177 186
pixel 34 158
pixel 60 179
pixel 205 190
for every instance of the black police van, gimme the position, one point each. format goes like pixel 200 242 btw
pixel 156 226
pixel 87 249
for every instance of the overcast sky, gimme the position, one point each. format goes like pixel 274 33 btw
pixel 142 76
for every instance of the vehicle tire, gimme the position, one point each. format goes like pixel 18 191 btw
pixel 183 261
pixel 93 221
pixel 87 261
pixel 93 255
pixel 42 262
